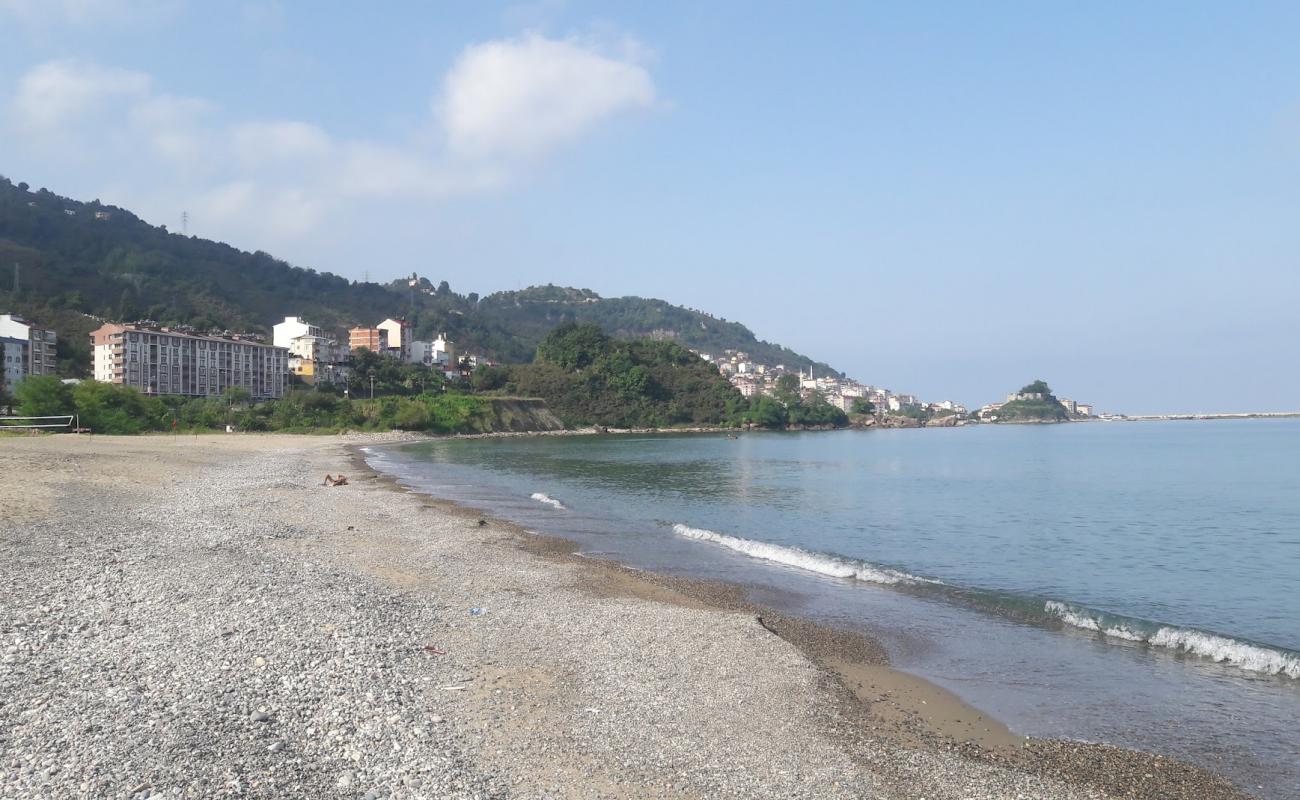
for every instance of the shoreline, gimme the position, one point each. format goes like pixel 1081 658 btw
pixel 199 617
pixel 915 712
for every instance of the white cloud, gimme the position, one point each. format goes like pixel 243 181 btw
pixel 262 142
pixel 58 93
pixel 522 97
pixel 173 126
pixel 267 183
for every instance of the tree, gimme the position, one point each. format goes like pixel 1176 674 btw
pixel 236 396
pixel 108 408
pixel 862 405
pixel 787 389
pixel 44 396
pixel 1038 387
pixel 572 346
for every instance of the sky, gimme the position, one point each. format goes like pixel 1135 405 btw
pixel 948 200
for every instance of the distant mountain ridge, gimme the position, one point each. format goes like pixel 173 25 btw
pixel 79 262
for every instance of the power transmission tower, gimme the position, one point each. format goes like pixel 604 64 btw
pixel 185 223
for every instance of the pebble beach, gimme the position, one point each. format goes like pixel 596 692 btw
pixel 199 617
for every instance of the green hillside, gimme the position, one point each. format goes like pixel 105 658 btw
pixel 76 270
pixel 1035 403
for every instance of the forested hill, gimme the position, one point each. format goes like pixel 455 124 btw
pixel 82 262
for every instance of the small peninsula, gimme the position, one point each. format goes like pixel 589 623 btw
pixel 1034 403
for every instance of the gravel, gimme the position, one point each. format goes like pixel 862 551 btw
pixel 211 622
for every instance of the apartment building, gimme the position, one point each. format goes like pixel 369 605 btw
pixel 41 344
pixel 317 359
pixel 285 332
pixel 440 352
pixel 313 356
pixel 399 337
pixel 164 361
pixel 13 362
pixel 373 339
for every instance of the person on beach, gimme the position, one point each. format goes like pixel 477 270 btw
pixel 341 480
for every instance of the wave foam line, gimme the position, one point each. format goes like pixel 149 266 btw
pixel 548 500
pixel 1221 649
pixel 799 558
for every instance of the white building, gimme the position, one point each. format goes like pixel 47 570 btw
pixel 313 356
pixel 843 402
pixel 441 353
pixel 163 361
pixel 41 344
pixel 398 332
pixel 317 359
pixel 13 362
pixel 285 332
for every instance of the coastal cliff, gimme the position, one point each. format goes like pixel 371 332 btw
pixel 520 415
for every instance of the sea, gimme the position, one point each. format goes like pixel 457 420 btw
pixel 1132 583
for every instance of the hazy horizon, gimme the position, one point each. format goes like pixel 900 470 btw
pixel 946 201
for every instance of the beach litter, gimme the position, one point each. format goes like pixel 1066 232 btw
pixel 428 648
pixel 477 611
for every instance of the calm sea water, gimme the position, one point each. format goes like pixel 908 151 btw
pixel 1133 583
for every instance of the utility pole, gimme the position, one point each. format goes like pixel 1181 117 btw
pixel 372 386
pixel 16 281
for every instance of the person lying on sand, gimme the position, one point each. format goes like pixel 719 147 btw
pixel 330 480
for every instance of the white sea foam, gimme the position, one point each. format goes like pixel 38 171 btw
pixel 1071 617
pixel 1228 651
pixel 1223 649
pixel 796 557
pixel 548 500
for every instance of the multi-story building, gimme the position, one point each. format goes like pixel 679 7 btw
pixel 313 356
pixel 159 360
pixel 440 352
pixel 41 343
pixel 399 337
pixel 13 362
pixel 284 332
pixel 372 339
pixel 317 359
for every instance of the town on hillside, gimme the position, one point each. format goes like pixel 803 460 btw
pixel 178 360
pixel 846 394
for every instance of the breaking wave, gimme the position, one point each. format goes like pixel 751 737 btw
pixel 1216 647
pixel 548 500
pixel 1221 649
pixel 801 559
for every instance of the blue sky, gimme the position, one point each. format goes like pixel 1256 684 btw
pixel 945 199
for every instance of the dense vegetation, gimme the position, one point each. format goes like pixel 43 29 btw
pixel 77 270
pixel 532 313
pixel 108 408
pixel 590 378
pixel 1042 409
